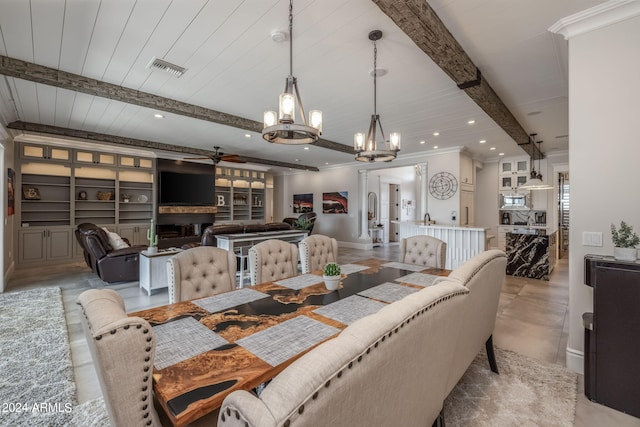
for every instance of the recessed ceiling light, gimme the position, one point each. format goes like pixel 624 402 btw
pixel 158 116
pixel 326 163
pixel 534 113
pixel 492 148
pixel 297 160
pixel 471 121
pixel 500 154
pixel 482 141
pixel 247 135
pixel 423 141
pixel 436 133
pixel 435 147
pixel 306 148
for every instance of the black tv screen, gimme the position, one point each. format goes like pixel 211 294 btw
pixel 186 189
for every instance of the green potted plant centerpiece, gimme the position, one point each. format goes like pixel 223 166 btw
pixel 331 276
pixel 625 241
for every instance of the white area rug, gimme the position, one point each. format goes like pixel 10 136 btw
pixel 527 392
pixel 36 380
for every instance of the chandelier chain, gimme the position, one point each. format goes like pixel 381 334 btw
pixel 291 37
pixel 375 78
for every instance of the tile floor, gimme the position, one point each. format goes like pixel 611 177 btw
pixel 532 320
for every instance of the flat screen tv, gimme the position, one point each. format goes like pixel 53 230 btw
pixel 186 189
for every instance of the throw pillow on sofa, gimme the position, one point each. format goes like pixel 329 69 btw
pixel 115 240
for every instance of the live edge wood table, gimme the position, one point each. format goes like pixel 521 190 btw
pixel 209 347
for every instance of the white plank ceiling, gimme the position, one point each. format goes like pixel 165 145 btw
pixel 234 66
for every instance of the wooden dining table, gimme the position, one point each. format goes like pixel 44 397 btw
pixel 206 348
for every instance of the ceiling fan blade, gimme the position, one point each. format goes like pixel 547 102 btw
pixel 233 158
pixel 197 158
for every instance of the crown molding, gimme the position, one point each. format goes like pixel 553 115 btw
pixel 596 17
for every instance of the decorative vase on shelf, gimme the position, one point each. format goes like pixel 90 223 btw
pixel 625 254
pixel 331 276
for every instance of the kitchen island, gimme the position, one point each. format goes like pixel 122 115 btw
pixel 462 242
pixel 531 253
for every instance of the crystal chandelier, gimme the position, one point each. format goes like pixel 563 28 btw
pixel 367 147
pixel 281 128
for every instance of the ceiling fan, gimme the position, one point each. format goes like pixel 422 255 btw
pixel 217 156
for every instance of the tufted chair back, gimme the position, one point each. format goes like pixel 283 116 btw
pixel 423 250
pixel 200 272
pixel 316 251
pixel 272 260
pixel 123 349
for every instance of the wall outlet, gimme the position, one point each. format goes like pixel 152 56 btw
pixel 591 238
pixel 453 215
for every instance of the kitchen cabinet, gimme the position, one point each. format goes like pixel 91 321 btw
pixel 37 245
pixel 466 173
pixel 467 208
pixel 513 173
pixel 502 235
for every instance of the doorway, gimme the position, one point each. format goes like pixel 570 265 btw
pixel 394 212
pixel 563 214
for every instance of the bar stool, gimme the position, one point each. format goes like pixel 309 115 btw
pixel 242 253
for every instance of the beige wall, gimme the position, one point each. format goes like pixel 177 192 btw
pixel 604 150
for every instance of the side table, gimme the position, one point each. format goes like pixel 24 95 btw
pixel 377 235
pixel 153 269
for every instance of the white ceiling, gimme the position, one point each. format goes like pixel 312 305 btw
pixel 233 66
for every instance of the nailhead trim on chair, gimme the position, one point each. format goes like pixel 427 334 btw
pixel 375 345
pixel 145 378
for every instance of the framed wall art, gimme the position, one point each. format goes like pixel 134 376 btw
pixel 303 203
pixel 335 203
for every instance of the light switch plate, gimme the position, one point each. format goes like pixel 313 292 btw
pixel 591 238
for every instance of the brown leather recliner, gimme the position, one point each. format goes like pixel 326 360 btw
pixel 209 234
pixel 111 265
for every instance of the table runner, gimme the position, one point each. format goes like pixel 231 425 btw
pixel 182 339
pixel 227 300
pixel 388 292
pixel 350 309
pixel 281 342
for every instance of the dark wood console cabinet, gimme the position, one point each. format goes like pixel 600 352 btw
pixel 612 334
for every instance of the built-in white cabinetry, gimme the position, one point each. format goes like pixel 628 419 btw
pixel 502 235
pixel 135 162
pixel 135 234
pixel 466 173
pixel 513 173
pixel 467 208
pixel 61 188
pixel 240 195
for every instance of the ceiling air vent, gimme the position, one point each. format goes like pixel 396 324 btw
pixel 162 65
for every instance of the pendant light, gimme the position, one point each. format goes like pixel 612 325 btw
pixel 366 148
pixel 281 128
pixel 535 182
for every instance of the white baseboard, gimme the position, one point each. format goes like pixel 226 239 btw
pixel 575 360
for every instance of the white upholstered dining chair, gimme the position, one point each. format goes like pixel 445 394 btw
pixel 272 260
pixel 316 251
pixel 423 250
pixel 123 350
pixel 200 272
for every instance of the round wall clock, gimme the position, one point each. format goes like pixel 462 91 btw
pixel 443 185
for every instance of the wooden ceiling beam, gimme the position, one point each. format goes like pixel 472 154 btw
pixel 421 23
pixel 49 76
pixel 141 143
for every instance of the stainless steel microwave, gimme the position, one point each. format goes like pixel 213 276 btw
pixel 515 201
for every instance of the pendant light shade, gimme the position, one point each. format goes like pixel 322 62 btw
pixel 367 147
pixel 282 128
pixel 535 182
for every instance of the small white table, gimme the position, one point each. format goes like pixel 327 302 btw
pixel 153 269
